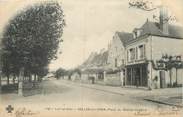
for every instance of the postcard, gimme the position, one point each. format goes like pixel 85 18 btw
pixel 85 58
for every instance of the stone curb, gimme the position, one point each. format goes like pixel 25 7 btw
pixel 161 102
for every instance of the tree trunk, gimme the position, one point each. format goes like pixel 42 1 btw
pixel 14 77
pixel 23 78
pixel 0 83
pixel 20 84
pixel 30 78
pixel 34 77
pixel 170 78
pixel 8 79
pixel 176 77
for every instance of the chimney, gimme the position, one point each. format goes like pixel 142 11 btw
pixel 163 18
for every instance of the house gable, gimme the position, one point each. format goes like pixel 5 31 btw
pixel 117 50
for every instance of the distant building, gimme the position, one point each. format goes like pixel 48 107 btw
pixel 92 70
pixel 76 76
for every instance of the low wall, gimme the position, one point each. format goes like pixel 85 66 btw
pixel 100 82
pixel 66 78
pixel 75 78
pixel 179 78
pixel 113 79
pixel 84 78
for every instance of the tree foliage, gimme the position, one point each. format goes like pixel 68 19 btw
pixel 60 72
pixel 31 38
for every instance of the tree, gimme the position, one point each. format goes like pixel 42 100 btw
pixel 142 4
pixel 76 70
pixel 169 62
pixel 149 6
pixel 60 72
pixel 31 39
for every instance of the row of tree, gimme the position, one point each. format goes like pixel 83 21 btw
pixel 31 40
pixel 62 72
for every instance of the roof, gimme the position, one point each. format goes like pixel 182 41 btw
pixel 96 60
pixel 93 71
pixel 152 28
pixel 125 37
pixel 100 59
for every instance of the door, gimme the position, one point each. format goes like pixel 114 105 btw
pixel 162 79
pixel 137 77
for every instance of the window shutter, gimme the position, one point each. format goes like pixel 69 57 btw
pixel 144 49
pixel 136 53
pixel 127 55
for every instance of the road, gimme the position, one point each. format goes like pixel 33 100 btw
pixel 60 93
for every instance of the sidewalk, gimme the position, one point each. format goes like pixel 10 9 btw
pixel 167 100
pixel 168 96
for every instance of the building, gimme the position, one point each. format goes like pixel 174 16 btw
pixel 116 49
pixel 135 54
pixel 150 42
pixel 116 59
pixel 92 70
pixel 76 76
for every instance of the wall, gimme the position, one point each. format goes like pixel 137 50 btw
pixel 155 47
pixel 164 45
pixel 85 77
pixel 180 76
pixel 113 79
pixel 143 41
pixel 116 50
pixel 75 77
pixel 66 77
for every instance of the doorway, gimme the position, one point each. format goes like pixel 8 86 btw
pixel 162 79
pixel 137 75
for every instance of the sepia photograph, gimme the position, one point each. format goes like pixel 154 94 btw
pixel 85 58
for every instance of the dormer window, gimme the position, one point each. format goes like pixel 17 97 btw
pixel 137 33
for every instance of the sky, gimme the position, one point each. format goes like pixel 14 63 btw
pixel 91 25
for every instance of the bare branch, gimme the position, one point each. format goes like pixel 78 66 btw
pixel 143 5
pixel 148 6
pixel 170 18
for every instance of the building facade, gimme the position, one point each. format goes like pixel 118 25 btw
pixel 139 51
pixel 116 59
pixel 149 44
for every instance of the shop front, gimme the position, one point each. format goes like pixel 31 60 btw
pixel 136 75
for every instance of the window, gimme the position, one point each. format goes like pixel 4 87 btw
pixel 137 33
pixel 136 52
pixel 141 51
pixel 116 62
pixel 132 54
